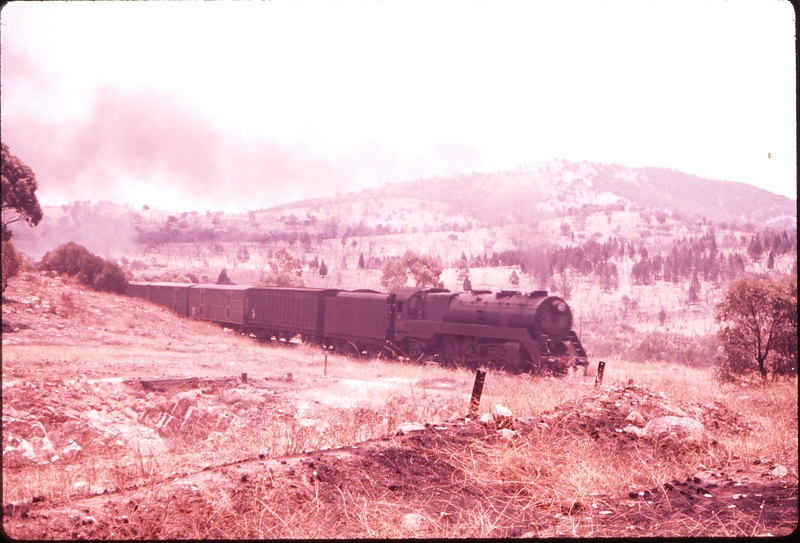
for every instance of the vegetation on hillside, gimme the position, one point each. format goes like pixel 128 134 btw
pixel 424 271
pixel 12 262
pixel 75 260
pixel 759 327
pixel 285 270
pixel 19 202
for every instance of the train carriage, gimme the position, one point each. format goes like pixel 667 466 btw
pixel 359 321
pixel 173 296
pixel 284 312
pixel 138 289
pixel 226 304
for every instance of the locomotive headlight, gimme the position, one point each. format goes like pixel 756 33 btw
pixel 561 307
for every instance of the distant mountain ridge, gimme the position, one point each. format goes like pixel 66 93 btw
pixel 560 187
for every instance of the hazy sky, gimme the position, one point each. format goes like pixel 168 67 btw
pixel 233 106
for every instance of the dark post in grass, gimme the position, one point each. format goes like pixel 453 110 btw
pixel 598 381
pixel 244 378
pixel 477 389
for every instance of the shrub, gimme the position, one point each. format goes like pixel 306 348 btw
pixel 176 277
pixel 285 270
pixel 77 261
pixel 63 259
pixel 12 262
pixel 110 279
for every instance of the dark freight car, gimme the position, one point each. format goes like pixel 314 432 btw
pixel 226 304
pixel 284 312
pixel 138 289
pixel 357 321
pixel 174 296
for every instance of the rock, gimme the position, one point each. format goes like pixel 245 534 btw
pixel 487 419
pixel 502 417
pixel 638 432
pixel 181 407
pixel 507 434
pixel 71 451
pixel 413 522
pixel 636 419
pixel 37 429
pixel 408 427
pixel 780 471
pixel 22 428
pixel 168 426
pixel 675 431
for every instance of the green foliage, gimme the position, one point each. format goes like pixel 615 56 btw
pixel 77 261
pixel 423 270
pixel 12 262
pixel 758 327
pixel 18 193
pixel 70 259
pixel 110 279
pixel 394 275
pixel 223 278
pixel 285 270
pixel 175 277
pixel 694 289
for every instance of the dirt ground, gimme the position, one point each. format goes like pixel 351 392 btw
pixel 110 383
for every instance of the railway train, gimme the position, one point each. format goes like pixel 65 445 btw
pixel 507 330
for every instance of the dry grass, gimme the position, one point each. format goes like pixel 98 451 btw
pixel 549 482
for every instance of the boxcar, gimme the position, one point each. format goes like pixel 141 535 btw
pixel 226 304
pixel 284 312
pixel 358 321
pixel 138 289
pixel 174 296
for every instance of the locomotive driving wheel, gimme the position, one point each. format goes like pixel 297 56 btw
pixel 450 351
pixel 415 351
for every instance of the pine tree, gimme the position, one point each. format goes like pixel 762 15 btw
pixel 694 289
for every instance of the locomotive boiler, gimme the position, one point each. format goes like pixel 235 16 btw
pixel 519 332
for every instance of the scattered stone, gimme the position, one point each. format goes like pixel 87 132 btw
pixel 408 427
pixel 413 522
pixel 506 434
pixel 502 417
pixel 636 419
pixel 675 431
pixel 780 471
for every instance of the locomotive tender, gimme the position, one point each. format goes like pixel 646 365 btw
pixel 509 330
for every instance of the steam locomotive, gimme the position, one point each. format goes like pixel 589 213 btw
pixel 506 330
